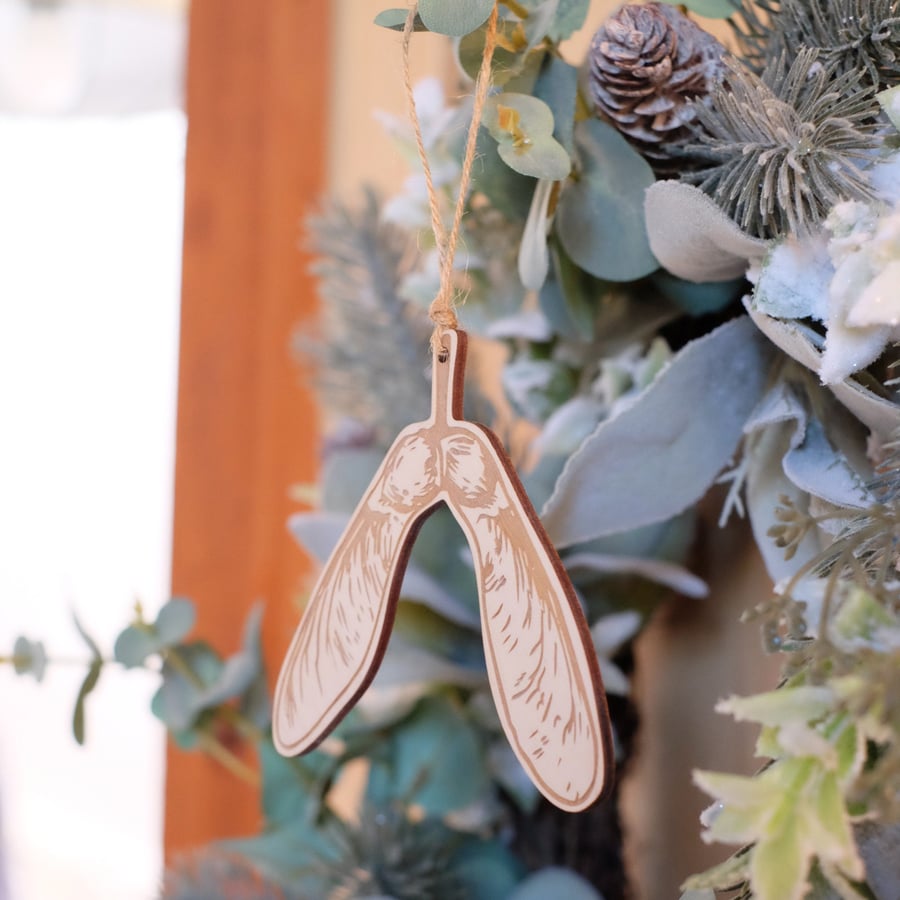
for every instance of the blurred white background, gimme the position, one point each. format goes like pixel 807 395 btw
pixel 91 183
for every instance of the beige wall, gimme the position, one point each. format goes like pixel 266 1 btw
pixel 368 77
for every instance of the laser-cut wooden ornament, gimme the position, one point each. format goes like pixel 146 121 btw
pixel 541 663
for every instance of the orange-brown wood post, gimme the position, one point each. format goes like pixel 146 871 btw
pixel 256 103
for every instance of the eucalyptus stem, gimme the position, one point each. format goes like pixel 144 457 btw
pixel 241 723
pixel 233 763
pixel 53 661
pixel 177 661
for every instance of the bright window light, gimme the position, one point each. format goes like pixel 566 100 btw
pixel 90 247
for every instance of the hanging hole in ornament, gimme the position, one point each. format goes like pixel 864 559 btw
pixel 443 355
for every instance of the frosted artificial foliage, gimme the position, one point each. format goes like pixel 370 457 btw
pixel 890 103
pixel 599 490
pixel 854 35
pixel 846 276
pixel 776 151
pixel 693 237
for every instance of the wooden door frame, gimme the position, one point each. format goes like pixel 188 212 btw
pixel 255 164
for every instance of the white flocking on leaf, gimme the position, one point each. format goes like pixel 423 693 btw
pixel 676 435
pixel 800 342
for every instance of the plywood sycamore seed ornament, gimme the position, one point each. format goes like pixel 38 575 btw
pixel 541 663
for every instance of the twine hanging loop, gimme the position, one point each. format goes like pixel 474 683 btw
pixel 443 308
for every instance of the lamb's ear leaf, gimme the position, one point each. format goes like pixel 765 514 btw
pixel 692 237
pixel 680 432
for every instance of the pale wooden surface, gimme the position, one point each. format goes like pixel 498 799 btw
pixel 246 427
pixel 540 658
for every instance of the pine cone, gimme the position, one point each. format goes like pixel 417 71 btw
pixel 645 64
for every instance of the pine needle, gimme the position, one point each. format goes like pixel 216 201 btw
pixel 852 35
pixel 371 357
pixel 778 151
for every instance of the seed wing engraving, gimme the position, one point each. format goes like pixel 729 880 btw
pixel 343 632
pixel 540 659
pixel 542 668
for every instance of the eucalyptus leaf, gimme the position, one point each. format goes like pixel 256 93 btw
pixel 567 16
pixel 487 869
pixel 680 432
pixel 409 670
pixel 508 772
pixel 509 192
pixel 699 299
pixel 557 86
pixel 570 16
pixel 87 686
pixel 454 19
pixel 553 305
pixel 175 620
pixel 512 62
pixel 29 658
pixel 287 783
pixel 180 699
pixel 291 855
pixel 712 9
pixel 555 882
pixel 600 217
pixel 529 325
pixel 135 643
pixel 133 646
pixel 540 20
pixel 395 19
pixel 240 671
pixel 523 126
pixel 580 291
pixel 434 760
